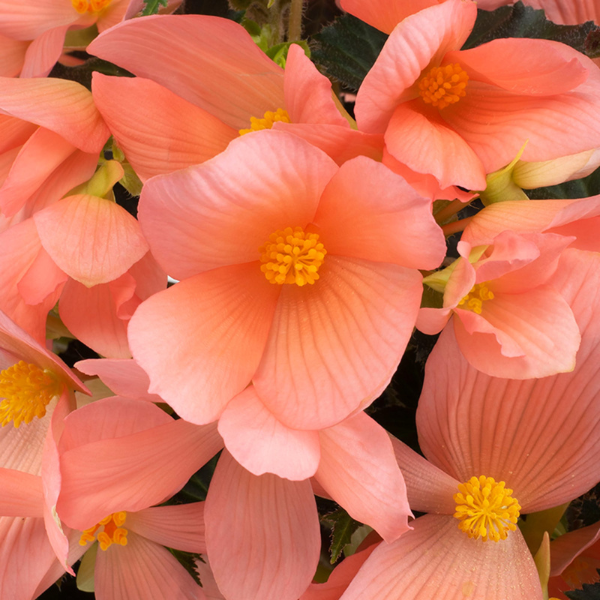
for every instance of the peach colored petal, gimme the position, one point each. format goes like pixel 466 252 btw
pixel 142 570
pixel 41 279
pixel 43 53
pixel 218 68
pixel 262 533
pixel 359 470
pixel 26 20
pixel 437 560
pixel 355 222
pixel 21 494
pixel 432 320
pixel 91 239
pixel 15 132
pixel 334 346
pixel 568 12
pixel 219 322
pixel 12 56
pixel 180 526
pixel 567 547
pixel 201 218
pixel 113 14
pixel 261 444
pixel 158 131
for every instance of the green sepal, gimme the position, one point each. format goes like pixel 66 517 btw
pixel 342 527
pixel 278 53
pixel 152 7
pixel 85 572
pixel 579 188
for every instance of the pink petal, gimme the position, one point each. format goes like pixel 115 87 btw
pixel 334 346
pixel 180 526
pixel 359 470
pixel 21 494
pixel 569 546
pixel 26 21
pixel 41 279
pixel 43 53
pixel 261 444
pixel 158 131
pixel 437 560
pixel 218 68
pixel 219 322
pixel 200 218
pixel 356 222
pixel 12 56
pixel 142 570
pixel 262 533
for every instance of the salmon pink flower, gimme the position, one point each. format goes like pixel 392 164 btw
pixel 522 446
pixel 459 114
pixel 295 276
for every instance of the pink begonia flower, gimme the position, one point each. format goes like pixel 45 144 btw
pixel 499 95
pixel 220 85
pixel 533 438
pixel 320 340
pixel 36 393
pixel 507 317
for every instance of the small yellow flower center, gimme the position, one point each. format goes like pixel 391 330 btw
pixel 476 297
pixel 267 121
pixel 25 391
pixel 486 509
pixel 92 6
pixel 443 86
pixel 292 256
pixel 112 532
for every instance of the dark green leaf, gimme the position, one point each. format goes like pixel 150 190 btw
pixel 347 49
pixel 521 21
pixel 589 592
pixel 188 562
pixel 343 526
pixel 152 6
pixel 580 188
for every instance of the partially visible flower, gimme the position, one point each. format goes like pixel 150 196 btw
pixel 564 12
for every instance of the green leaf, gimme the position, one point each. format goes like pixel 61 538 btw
pixel 343 526
pixel 589 592
pixel 152 6
pixel 521 21
pixel 347 49
pixel 279 52
pixel 579 188
pixel 188 562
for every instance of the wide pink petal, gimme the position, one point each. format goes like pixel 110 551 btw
pixel 12 56
pixel 201 218
pixel 437 560
pixel 21 494
pixel 359 470
pixel 334 345
pixel 26 21
pixel 567 547
pixel 423 38
pixel 158 131
pixel 218 67
pixel 67 109
pixel 219 322
pixel 540 436
pixel 262 533
pixel 142 570
pixel 41 279
pixel 261 444
pixel 43 53
pixel 420 139
pixel 356 222
pixel 180 526
pixel 91 239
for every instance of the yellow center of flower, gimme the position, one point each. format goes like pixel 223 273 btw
pixel 26 390
pixel 476 297
pixel 112 532
pixel 267 121
pixel 486 509
pixel 443 86
pixel 92 6
pixel 292 256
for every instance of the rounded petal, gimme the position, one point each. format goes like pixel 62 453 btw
pixel 26 20
pixel 12 56
pixel 43 53
pixel 567 547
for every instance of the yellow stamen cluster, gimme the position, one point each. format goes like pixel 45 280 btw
pixel 267 121
pixel 486 509
pixel 443 86
pixel 476 297
pixel 25 391
pixel 92 6
pixel 113 532
pixel 292 256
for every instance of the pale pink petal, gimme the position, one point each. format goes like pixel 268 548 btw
pixel 67 109
pixel 567 547
pixel 355 222
pixel 423 38
pixel 437 560
pixel 359 470
pixel 158 131
pixel 262 533
pixel 142 570
pixel 43 53
pixel 335 345
pixel 41 279
pixel 540 436
pixel 26 21
pixel 432 320
pixel 219 322
pixel 114 13
pixel 218 68
pixel 92 239
pixel 12 56
pixel 261 444
pixel 201 218
pixel 21 494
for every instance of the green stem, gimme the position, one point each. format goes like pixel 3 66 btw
pixel 456 226
pixel 295 22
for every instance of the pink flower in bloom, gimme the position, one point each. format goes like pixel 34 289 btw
pixel 296 276
pixel 529 442
pixel 461 114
